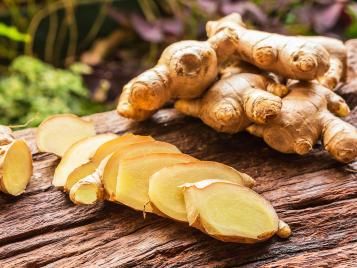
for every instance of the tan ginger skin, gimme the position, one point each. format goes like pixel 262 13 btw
pixel 338 57
pixel 309 112
pixel 289 56
pixel 232 103
pixel 187 68
pixel 184 70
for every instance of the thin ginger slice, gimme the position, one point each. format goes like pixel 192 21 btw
pixel 79 173
pixel 110 171
pixel 100 157
pixel 77 155
pixel 165 195
pixel 58 132
pixel 229 212
pixel 88 190
pixel 134 173
pixel 114 145
pixel 15 167
pixel 91 184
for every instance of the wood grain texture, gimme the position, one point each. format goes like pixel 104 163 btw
pixel 314 194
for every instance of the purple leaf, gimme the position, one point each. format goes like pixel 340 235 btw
pixel 119 16
pixel 151 32
pixel 244 9
pixel 171 26
pixel 326 18
pixel 209 6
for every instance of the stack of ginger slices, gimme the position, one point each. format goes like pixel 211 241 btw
pixel 156 177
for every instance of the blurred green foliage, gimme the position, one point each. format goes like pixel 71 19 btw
pixel 12 33
pixel 34 90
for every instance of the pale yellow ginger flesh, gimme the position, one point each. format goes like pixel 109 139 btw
pixel 134 173
pixel 78 174
pixel 229 212
pixel 115 144
pixel 100 157
pixel 90 175
pixel 15 167
pixel 78 154
pixel 88 190
pixel 166 196
pixel 58 132
pixel 110 171
pixel 284 230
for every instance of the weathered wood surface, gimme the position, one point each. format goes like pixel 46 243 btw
pixel 314 194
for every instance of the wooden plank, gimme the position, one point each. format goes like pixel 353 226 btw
pixel 44 227
pixel 124 239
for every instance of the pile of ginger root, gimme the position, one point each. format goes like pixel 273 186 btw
pixel 279 88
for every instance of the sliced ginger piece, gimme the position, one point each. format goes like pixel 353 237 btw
pixel 115 144
pixel 110 171
pixel 58 132
pixel 165 195
pixel 229 212
pixel 134 173
pixel 15 167
pixel 77 155
pixel 79 173
pixel 82 177
pixel 88 190
pixel 100 157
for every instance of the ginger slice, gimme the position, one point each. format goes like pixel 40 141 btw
pixel 58 132
pixel 110 171
pixel 88 190
pixel 134 173
pixel 77 155
pixel 79 173
pixel 15 167
pixel 113 145
pixel 101 157
pixel 229 212
pixel 165 195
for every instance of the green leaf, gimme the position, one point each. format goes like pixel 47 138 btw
pixel 12 33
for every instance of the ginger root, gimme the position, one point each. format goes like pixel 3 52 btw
pixel 289 56
pixel 232 103
pixel 184 70
pixel 308 113
pixel 229 211
pixel 338 57
pixel 165 194
pixel 15 163
pixel 58 132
